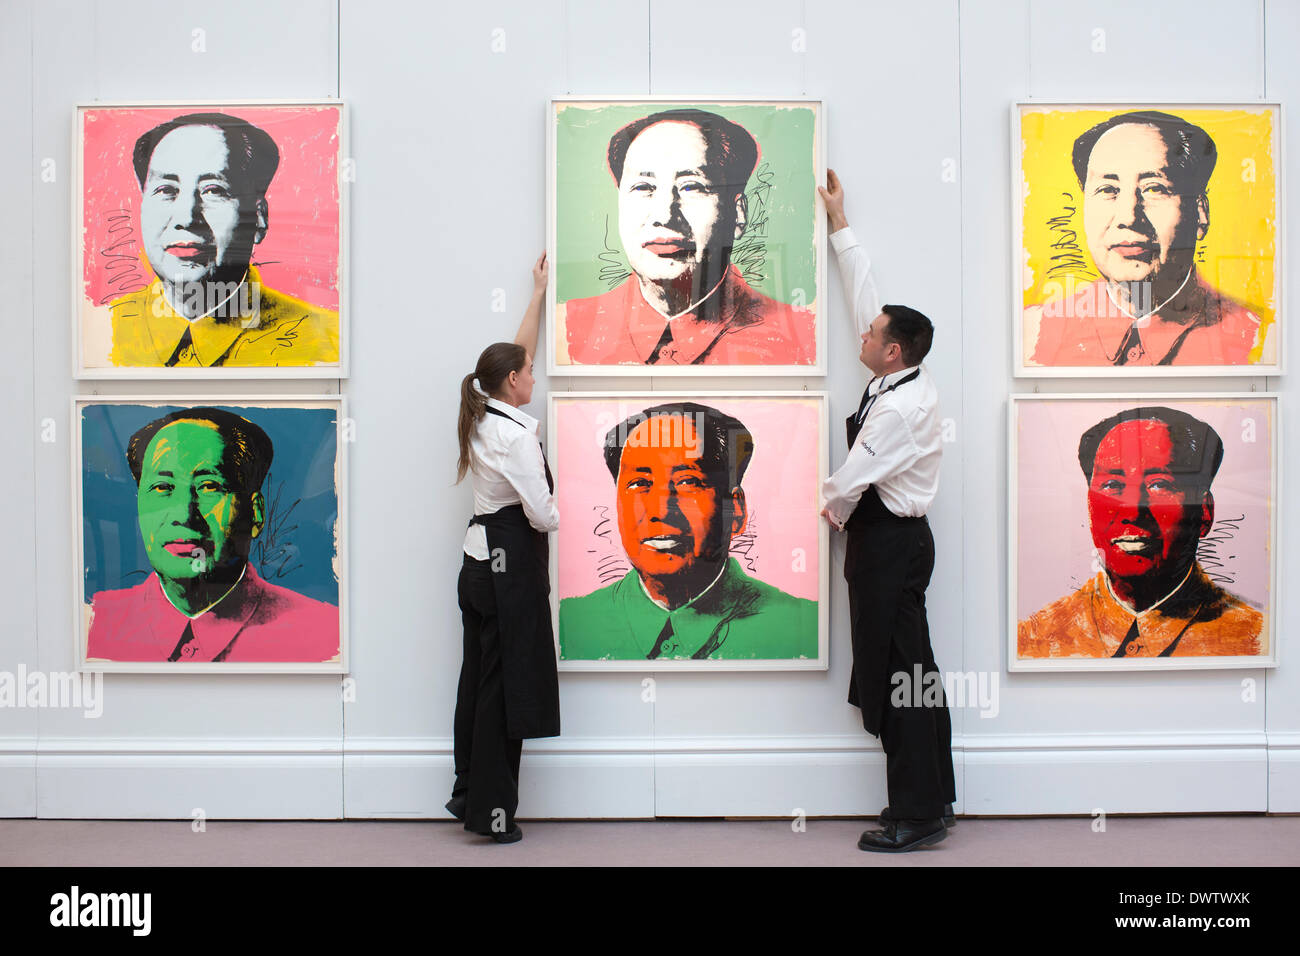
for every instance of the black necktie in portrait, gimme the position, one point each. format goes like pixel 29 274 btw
pixel 186 637
pixel 664 635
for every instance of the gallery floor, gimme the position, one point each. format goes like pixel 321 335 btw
pixel 1227 840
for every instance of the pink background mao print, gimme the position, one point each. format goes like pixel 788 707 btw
pixel 300 254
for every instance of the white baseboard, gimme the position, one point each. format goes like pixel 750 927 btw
pixel 1284 773
pixel 164 779
pixel 592 778
pixel 17 777
pixel 1132 773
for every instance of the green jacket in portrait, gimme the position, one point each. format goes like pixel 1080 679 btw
pixel 736 618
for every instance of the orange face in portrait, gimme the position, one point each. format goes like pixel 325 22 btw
pixel 675 518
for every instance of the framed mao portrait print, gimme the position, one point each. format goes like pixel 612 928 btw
pixel 1148 239
pixel 210 240
pixel 686 237
pixel 211 534
pixel 689 536
pixel 1143 531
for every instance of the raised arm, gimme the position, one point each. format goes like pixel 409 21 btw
pixel 855 265
pixel 532 320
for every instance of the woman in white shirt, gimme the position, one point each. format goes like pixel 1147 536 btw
pixel 508 689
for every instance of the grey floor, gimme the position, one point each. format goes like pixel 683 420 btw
pixel 1241 840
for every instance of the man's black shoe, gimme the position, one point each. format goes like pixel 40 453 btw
pixel 456 806
pixel 949 818
pixel 899 836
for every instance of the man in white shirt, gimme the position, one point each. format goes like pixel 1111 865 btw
pixel 880 496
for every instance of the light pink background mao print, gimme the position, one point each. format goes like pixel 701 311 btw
pixel 301 248
pixel 780 484
pixel 1055 544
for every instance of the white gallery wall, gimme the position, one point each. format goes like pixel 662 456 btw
pixel 447 114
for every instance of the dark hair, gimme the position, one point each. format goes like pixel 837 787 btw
pixel 248 448
pixel 730 150
pixel 1192 153
pixel 911 331
pixel 1198 450
pixel 254 157
pixel 727 445
pixel 494 366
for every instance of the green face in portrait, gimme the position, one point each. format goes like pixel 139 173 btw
pixel 197 523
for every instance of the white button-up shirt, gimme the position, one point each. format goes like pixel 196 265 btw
pixel 855 273
pixel 900 445
pixel 506 468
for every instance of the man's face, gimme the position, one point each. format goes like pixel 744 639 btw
pixel 672 212
pixel 875 345
pixel 1138 226
pixel 670 514
pixel 1144 518
pixel 192 518
pixel 196 224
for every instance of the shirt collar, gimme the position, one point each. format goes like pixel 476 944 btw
pixel 893 378
pixel 721 571
pixel 690 338
pixel 1158 626
pixel 1127 607
pixel 214 629
pixel 210 606
pixel 694 623
pixel 1112 321
pixel 518 414
pixel 210 337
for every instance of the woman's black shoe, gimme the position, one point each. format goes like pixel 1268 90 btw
pixel 456 806
pixel 511 836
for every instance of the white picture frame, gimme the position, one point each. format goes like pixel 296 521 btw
pixel 127 246
pixel 771 462
pixel 558 365
pixel 112 458
pixel 1058 522
pixel 1074 256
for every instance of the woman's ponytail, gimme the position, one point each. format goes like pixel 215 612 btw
pixel 494 367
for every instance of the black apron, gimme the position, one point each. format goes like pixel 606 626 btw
pixel 522 587
pixel 884 557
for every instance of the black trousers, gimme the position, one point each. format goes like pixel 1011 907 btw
pixel 487 760
pixel 887 579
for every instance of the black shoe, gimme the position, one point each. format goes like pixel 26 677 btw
pixel 899 836
pixel 456 806
pixel 949 818
pixel 510 836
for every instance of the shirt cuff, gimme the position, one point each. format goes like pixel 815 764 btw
pixel 837 522
pixel 842 239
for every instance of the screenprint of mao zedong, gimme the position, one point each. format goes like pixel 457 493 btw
pixel 1160 251
pixel 1150 506
pixel 681 507
pixel 183 264
pixel 700 216
pixel 202 508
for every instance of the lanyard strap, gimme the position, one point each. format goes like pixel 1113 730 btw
pixel 868 400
